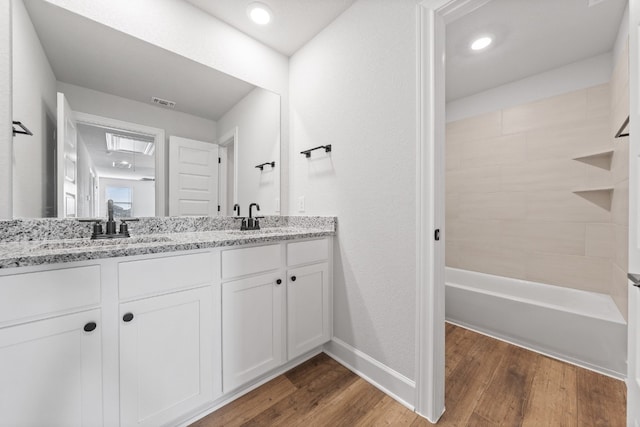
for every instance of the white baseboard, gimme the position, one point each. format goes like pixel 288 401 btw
pixel 379 375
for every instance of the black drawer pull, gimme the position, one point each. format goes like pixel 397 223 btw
pixel 128 317
pixel 293 278
pixel 279 281
pixel 90 327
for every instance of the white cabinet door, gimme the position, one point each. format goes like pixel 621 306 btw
pixel 252 328
pixel 308 322
pixel 51 372
pixel 166 357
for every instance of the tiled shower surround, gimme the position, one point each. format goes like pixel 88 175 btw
pixel 519 205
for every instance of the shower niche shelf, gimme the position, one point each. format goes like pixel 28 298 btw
pixel 598 196
pixel 601 159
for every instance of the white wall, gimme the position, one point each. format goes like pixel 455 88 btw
pixel 143 196
pixel 34 104
pixel 257 117
pixel 578 75
pixel 182 28
pixel 6 144
pixel 354 86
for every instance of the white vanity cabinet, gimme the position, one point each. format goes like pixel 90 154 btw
pixel 279 312
pixel 50 348
pixel 151 340
pixel 252 328
pixel 166 357
pixel 308 296
pixel 166 341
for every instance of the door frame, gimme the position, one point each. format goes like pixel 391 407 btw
pixel 432 17
pixel 228 138
pixel 159 139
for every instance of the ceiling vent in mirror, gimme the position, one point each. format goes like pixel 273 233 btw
pixel 592 3
pixel 121 165
pixel 163 102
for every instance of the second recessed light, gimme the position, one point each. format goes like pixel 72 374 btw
pixel 259 13
pixel 481 43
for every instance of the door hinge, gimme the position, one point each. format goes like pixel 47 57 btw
pixel 436 235
pixel 219 160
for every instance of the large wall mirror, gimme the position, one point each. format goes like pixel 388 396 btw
pixel 114 117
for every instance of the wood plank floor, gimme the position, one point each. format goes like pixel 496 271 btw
pixel 488 383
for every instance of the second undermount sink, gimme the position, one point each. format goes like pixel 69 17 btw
pixel 251 232
pixel 86 243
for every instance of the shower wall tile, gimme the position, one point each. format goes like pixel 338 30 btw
pixel 586 273
pixel 488 257
pixel 569 140
pixel 600 240
pixel 479 127
pixel 502 150
pixel 599 102
pixel 561 206
pixel 510 181
pixel 549 237
pixel 547 112
pixel 491 206
pixel 619 289
pixel 543 175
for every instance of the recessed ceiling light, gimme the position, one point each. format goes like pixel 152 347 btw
pixel 259 13
pixel 481 43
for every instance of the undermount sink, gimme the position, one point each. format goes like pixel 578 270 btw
pixel 81 243
pixel 250 232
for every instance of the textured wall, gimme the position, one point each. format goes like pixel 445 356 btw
pixel 354 86
pixel 511 177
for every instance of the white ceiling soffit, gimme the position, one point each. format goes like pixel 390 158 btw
pixel 530 37
pixel 98 57
pixel 294 22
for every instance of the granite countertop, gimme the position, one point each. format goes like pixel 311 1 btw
pixel 22 253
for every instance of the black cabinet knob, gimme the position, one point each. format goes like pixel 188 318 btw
pixel 279 281
pixel 128 317
pixel 293 278
pixel 90 327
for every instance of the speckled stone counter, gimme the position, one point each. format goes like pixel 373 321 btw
pixel 49 241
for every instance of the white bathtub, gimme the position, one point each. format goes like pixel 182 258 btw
pixel 583 328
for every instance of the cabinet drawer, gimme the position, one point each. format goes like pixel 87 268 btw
pixel 306 252
pixel 36 295
pixel 158 275
pixel 240 262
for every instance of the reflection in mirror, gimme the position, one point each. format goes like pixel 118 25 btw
pixel 73 88
pixel 117 165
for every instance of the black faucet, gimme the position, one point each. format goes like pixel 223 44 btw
pixel 251 207
pixel 110 232
pixel 236 207
pixel 253 223
pixel 111 224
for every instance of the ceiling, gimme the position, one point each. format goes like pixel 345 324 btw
pixel 293 24
pixel 94 139
pixel 530 37
pixel 98 57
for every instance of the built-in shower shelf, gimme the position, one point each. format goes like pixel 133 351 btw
pixel 601 159
pixel 598 196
